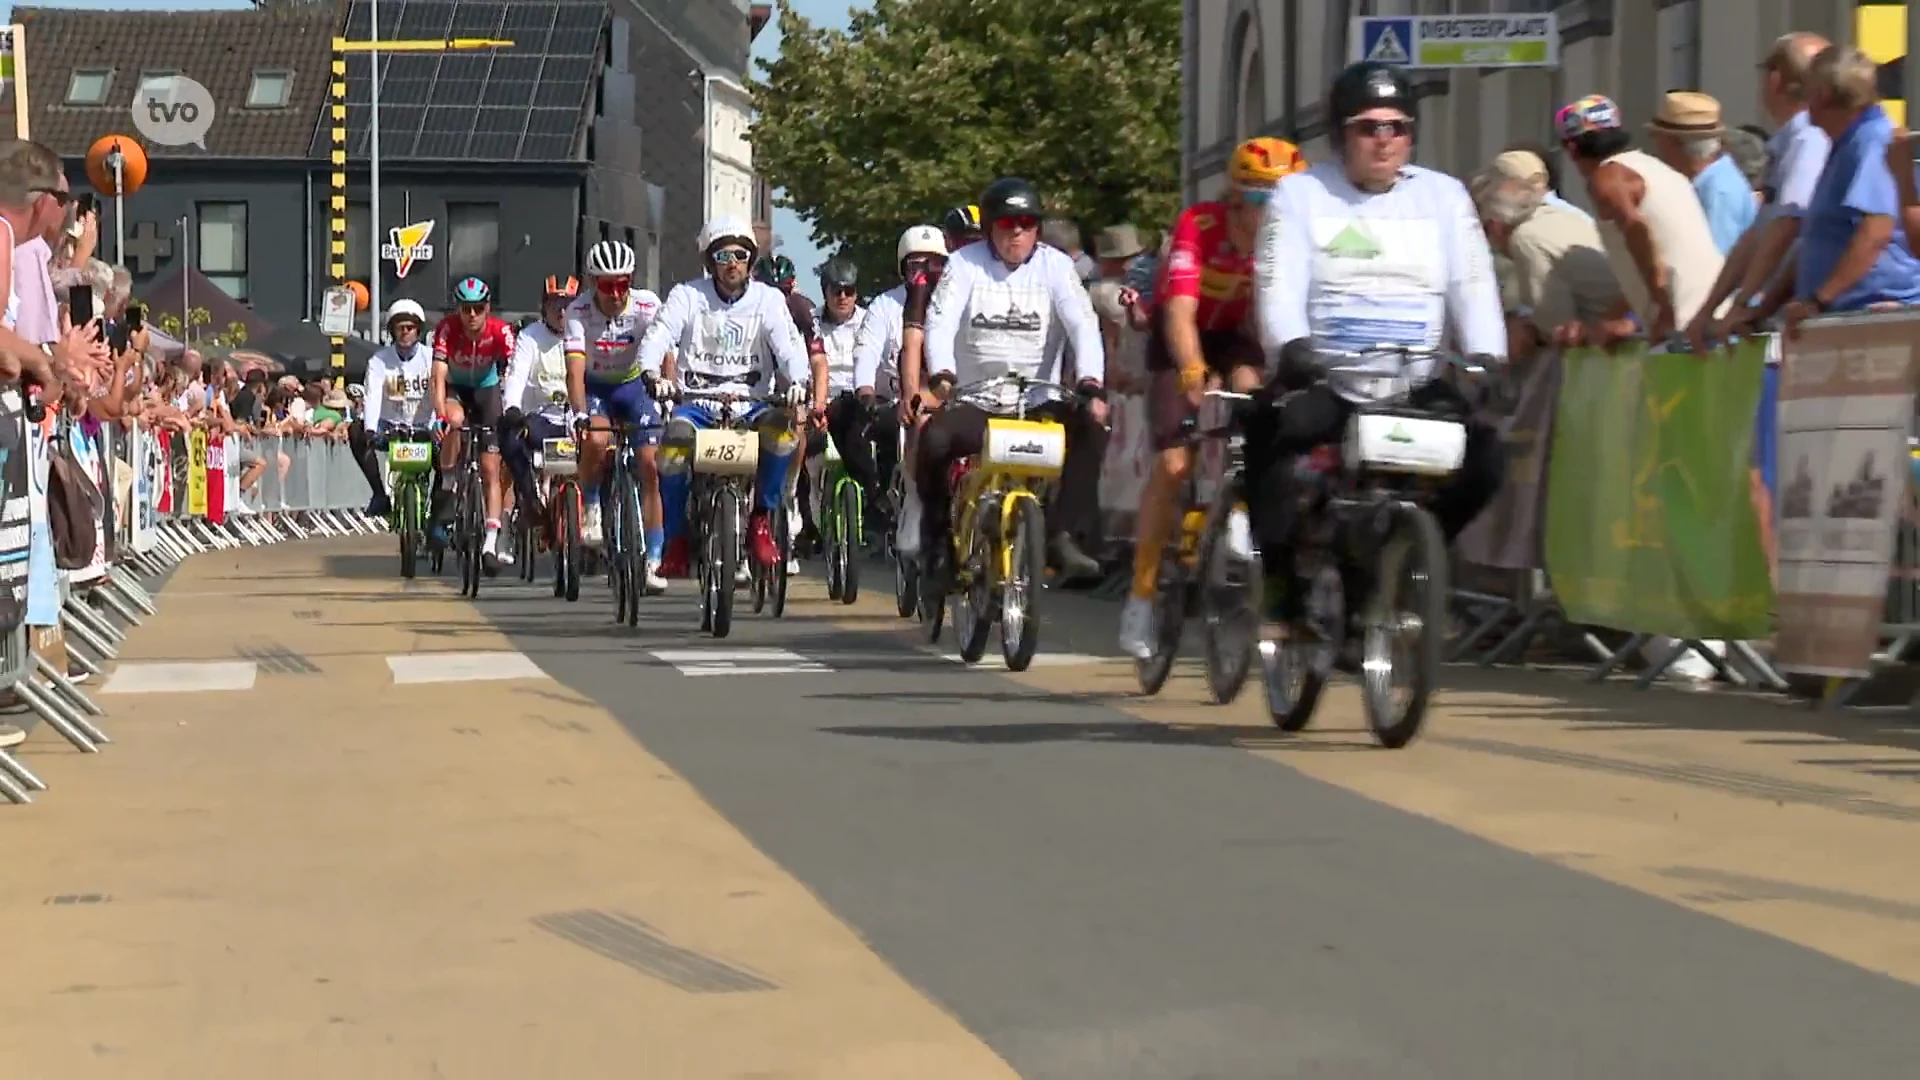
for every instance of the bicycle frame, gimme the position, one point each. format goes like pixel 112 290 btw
pixel 989 494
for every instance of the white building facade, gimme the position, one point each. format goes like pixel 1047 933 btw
pixel 1262 67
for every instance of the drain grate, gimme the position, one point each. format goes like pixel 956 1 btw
pixel 78 898
pixel 279 660
pixel 629 941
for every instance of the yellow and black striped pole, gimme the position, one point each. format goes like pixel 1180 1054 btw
pixel 337 203
pixel 1880 29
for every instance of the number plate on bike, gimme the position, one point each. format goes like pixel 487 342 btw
pixel 1026 447
pixel 409 453
pixel 557 457
pixel 1424 446
pixel 726 453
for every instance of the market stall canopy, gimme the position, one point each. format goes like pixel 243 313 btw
pixel 306 351
pixel 186 286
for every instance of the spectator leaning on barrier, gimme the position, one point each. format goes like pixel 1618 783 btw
pixel 1853 253
pixel 1796 154
pixel 1652 226
pixel 1548 180
pixel 1687 135
pixel 1747 146
pixel 1563 280
pixel 33 192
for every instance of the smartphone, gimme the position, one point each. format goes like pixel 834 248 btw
pixel 136 316
pixel 80 304
pixel 87 204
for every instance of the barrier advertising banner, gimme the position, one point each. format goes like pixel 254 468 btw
pixel 216 481
pixel 1650 521
pixel 197 472
pixel 1846 401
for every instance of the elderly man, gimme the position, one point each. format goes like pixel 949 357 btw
pixel 33 196
pixel 1115 248
pixel 1795 157
pixel 1853 250
pixel 1687 135
pixel 1651 225
pixel 1562 280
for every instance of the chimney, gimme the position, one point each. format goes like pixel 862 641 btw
pixel 758 16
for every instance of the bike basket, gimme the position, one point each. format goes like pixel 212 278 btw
pixel 1390 443
pixel 1025 447
pixel 725 452
pixel 558 457
pixel 410 457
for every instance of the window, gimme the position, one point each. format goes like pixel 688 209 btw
pixel 270 89
pixel 153 80
pixel 473 242
pixel 89 87
pixel 359 250
pixel 222 248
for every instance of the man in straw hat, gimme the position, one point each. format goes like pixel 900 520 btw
pixel 1687 134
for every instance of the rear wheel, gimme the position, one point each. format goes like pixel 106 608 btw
pixel 847 539
pixel 777 576
pixel 723 559
pixel 1295 673
pixel 1229 593
pixel 1405 622
pixel 1020 592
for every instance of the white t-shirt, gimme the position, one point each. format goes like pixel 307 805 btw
pixel 611 345
pixel 396 388
pixel 985 319
pixel 876 348
pixel 537 371
pixel 839 340
pixel 736 347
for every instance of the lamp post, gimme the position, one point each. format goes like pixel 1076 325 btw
pixel 118 163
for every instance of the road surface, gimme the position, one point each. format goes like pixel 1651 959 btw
pixel 357 827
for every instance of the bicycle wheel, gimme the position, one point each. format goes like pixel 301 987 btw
pixel 973 601
pixel 1406 620
pixel 615 545
pixel 1026 547
pixel 777 575
pixel 1295 674
pixel 635 555
pixel 1170 599
pixel 525 541
pixel 847 500
pixel 833 537
pixel 1229 593
pixel 574 541
pixel 473 526
pixel 723 558
pixel 409 527
pixel 560 521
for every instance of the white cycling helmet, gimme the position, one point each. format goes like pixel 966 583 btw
pixel 408 308
pixel 727 228
pixel 610 258
pixel 920 240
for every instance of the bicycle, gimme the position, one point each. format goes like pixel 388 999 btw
pixel 1209 568
pixel 843 527
pixel 410 457
pixel 556 463
pixel 624 540
pixel 906 568
pixel 470 510
pixel 999 526
pixel 1366 504
pixel 724 460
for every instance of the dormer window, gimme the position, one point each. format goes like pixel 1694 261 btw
pixel 270 90
pixel 89 86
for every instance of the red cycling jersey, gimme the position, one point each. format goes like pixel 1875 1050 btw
pixel 1201 262
pixel 473 362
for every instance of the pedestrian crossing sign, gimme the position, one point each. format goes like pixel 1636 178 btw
pixel 1387 41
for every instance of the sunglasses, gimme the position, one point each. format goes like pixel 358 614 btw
pixel 843 290
pixel 730 256
pixel 613 286
pixel 61 197
pixel 1382 129
pixel 1018 223
pixel 924 262
pixel 474 309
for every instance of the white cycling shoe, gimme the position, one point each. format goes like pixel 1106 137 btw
pixel 1136 628
pixel 590 530
pixel 652 583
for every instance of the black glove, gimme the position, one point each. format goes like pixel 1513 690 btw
pixel 1299 367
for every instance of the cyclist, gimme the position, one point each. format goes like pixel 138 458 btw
pixel 396 387
pixel 992 314
pixel 603 334
pixel 471 348
pixel 838 329
pixel 730 335
pixel 921 252
pixel 1363 252
pixel 538 372
pixel 777 271
pixel 962 225
pixel 1199 329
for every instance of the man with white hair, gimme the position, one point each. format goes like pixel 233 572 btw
pixel 1562 280
pixel 1687 135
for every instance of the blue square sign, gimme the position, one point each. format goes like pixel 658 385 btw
pixel 1387 41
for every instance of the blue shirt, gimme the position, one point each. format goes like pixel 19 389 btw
pixel 1856 184
pixel 1728 200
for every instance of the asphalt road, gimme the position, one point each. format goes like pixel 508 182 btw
pixel 1097 895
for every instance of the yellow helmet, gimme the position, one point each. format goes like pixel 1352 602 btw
pixel 1263 161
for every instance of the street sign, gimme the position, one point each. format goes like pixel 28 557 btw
pixel 1451 41
pixel 336 311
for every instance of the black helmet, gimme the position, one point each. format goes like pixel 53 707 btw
pixel 1368 85
pixel 962 221
pixel 1008 197
pixel 838 273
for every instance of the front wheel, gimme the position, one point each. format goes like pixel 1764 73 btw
pixel 777 576
pixel 1295 673
pixel 973 605
pixel 473 527
pixel 1405 622
pixel 410 528
pixel 846 540
pixel 723 559
pixel 633 552
pixel 1229 593
pixel 1026 554
pixel 1169 623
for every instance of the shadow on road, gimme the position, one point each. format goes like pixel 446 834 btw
pixel 1143 732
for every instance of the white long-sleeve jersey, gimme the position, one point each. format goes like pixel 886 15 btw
pixel 728 348
pixel 537 371
pixel 838 339
pixel 396 387
pixel 876 349
pixel 1352 270
pixel 986 320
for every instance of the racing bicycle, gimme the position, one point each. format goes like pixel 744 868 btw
pixel 625 540
pixel 556 463
pixel 410 460
pixel 841 514
pixel 470 509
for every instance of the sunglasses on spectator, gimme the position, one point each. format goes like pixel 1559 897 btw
pixel 474 309
pixel 925 261
pixel 613 286
pixel 729 256
pixel 1020 223
pixel 1382 129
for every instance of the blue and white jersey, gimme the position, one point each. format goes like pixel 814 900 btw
pixel 738 347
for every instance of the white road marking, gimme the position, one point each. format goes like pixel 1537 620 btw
pixel 182 678
pixel 997 662
pixel 698 662
pixel 462 667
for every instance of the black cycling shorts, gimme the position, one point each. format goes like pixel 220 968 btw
pixel 482 404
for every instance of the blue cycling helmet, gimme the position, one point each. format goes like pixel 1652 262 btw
pixel 472 291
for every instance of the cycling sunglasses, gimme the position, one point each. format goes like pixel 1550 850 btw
pixel 1018 223
pixel 1382 129
pixel 613 286
pixel 480 308
pixel 730 256
pixel 843 290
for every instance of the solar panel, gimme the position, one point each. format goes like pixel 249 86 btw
pixel 420 19
pixel 447 119
pixel 359 20
pixel 581 42
pixel 547 148
pixel 579 16
pixel 399 123
pixel 441 145
pixel 495 121
pixel 471 65
pixel 563 84
pixel 478 19
pixel 501 146
pixel 553 122
pixel 406 91
pixel 528 26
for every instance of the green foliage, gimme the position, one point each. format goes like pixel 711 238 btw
pixel 920 104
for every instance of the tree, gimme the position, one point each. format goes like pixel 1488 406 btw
pixel 920 104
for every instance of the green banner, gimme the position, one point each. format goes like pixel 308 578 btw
pixel 1650 518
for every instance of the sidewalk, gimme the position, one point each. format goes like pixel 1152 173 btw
pixel 362 851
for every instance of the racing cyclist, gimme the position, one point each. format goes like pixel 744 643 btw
pixel 603 333
pixel 921 252
pixel 730 335
pixel 840 322
pixel 396 388
pixel 1363 252
pixel 537 372
pixel 777 271
pixel 962 225
pixel 471 348
pixel 1199 331
pixel 995 312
